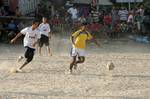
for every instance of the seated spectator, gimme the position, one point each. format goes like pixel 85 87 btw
pixel 12 26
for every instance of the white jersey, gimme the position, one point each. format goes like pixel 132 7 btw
pixel 44 28
pixel 31 36
pixel 73 12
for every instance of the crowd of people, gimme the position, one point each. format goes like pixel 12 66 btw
pixel 108 22
pixel 112 22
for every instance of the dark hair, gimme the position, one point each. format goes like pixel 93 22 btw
pixel 35 21
pixel 84 24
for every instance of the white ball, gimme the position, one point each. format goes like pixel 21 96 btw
pixel 110 66
pixel 13 70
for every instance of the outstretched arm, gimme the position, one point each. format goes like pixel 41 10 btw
pixel 15 38
pixel 95 41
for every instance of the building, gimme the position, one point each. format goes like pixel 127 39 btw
pixel 25 6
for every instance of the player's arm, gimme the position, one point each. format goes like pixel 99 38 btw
pixel 72 40
pixel 95 41
pixel 91 38
pixel 49 32
pixel 16 37
pixel 74 35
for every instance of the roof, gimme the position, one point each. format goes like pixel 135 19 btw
pixel 100 2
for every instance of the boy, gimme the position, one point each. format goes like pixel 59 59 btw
pixel 30 40
pixel 79 39
pixel 45 35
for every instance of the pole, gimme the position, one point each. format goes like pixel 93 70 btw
pixel 129 3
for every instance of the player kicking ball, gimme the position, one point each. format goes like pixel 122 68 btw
pixel 79 39
pixel 32 35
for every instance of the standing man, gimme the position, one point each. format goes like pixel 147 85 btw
pixel 45 35
pixel 31 38
pixel 79 39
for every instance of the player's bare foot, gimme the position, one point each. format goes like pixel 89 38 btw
pixel 20 58
pixel 75 66
pixel 19 71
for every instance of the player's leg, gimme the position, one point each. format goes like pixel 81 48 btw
pixel 29 54
pixel 40 46
pixel 48 47
pixel 80 60
pixel 81 57
pixel 73 61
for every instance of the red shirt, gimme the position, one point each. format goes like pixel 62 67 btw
pixel 107 20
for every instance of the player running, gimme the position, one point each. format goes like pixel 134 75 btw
pixel 79 39
pixel 31 38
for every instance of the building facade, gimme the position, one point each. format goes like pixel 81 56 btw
pixel 25 6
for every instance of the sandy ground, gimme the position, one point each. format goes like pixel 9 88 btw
pixel 48 77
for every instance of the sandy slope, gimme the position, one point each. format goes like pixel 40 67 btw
pixel 48 78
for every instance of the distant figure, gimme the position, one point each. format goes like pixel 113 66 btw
pixel 123 14
pixel 74 14
pixel 17 12
pixel 45 35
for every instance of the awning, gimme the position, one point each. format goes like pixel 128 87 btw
pixel 126 1
pixel 104 2
pixel 99 2
pixel 82 1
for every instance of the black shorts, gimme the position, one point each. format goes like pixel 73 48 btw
pixel 44 40
pixel 29 53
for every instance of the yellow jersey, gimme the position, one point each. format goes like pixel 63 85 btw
pixel 80 38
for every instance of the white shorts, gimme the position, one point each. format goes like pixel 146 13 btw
pixel 77 52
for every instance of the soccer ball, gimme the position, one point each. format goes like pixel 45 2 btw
pixel 13 70
pixel 110 66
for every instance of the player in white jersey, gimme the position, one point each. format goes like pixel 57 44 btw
pixel 45 35
pixel 31 38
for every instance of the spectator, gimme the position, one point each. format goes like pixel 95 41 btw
pixel 82 19
pixel 95 15
pixel 74 14
pixel 130 18
pixel 107 20
pixel 39 11
pixel 12 26
pixel 130 22
pixel 114 14
pixel 138 20
pixel 17 12
pixel 141 10
pixel 123 14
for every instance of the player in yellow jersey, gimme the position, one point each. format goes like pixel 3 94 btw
pixel 79 39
